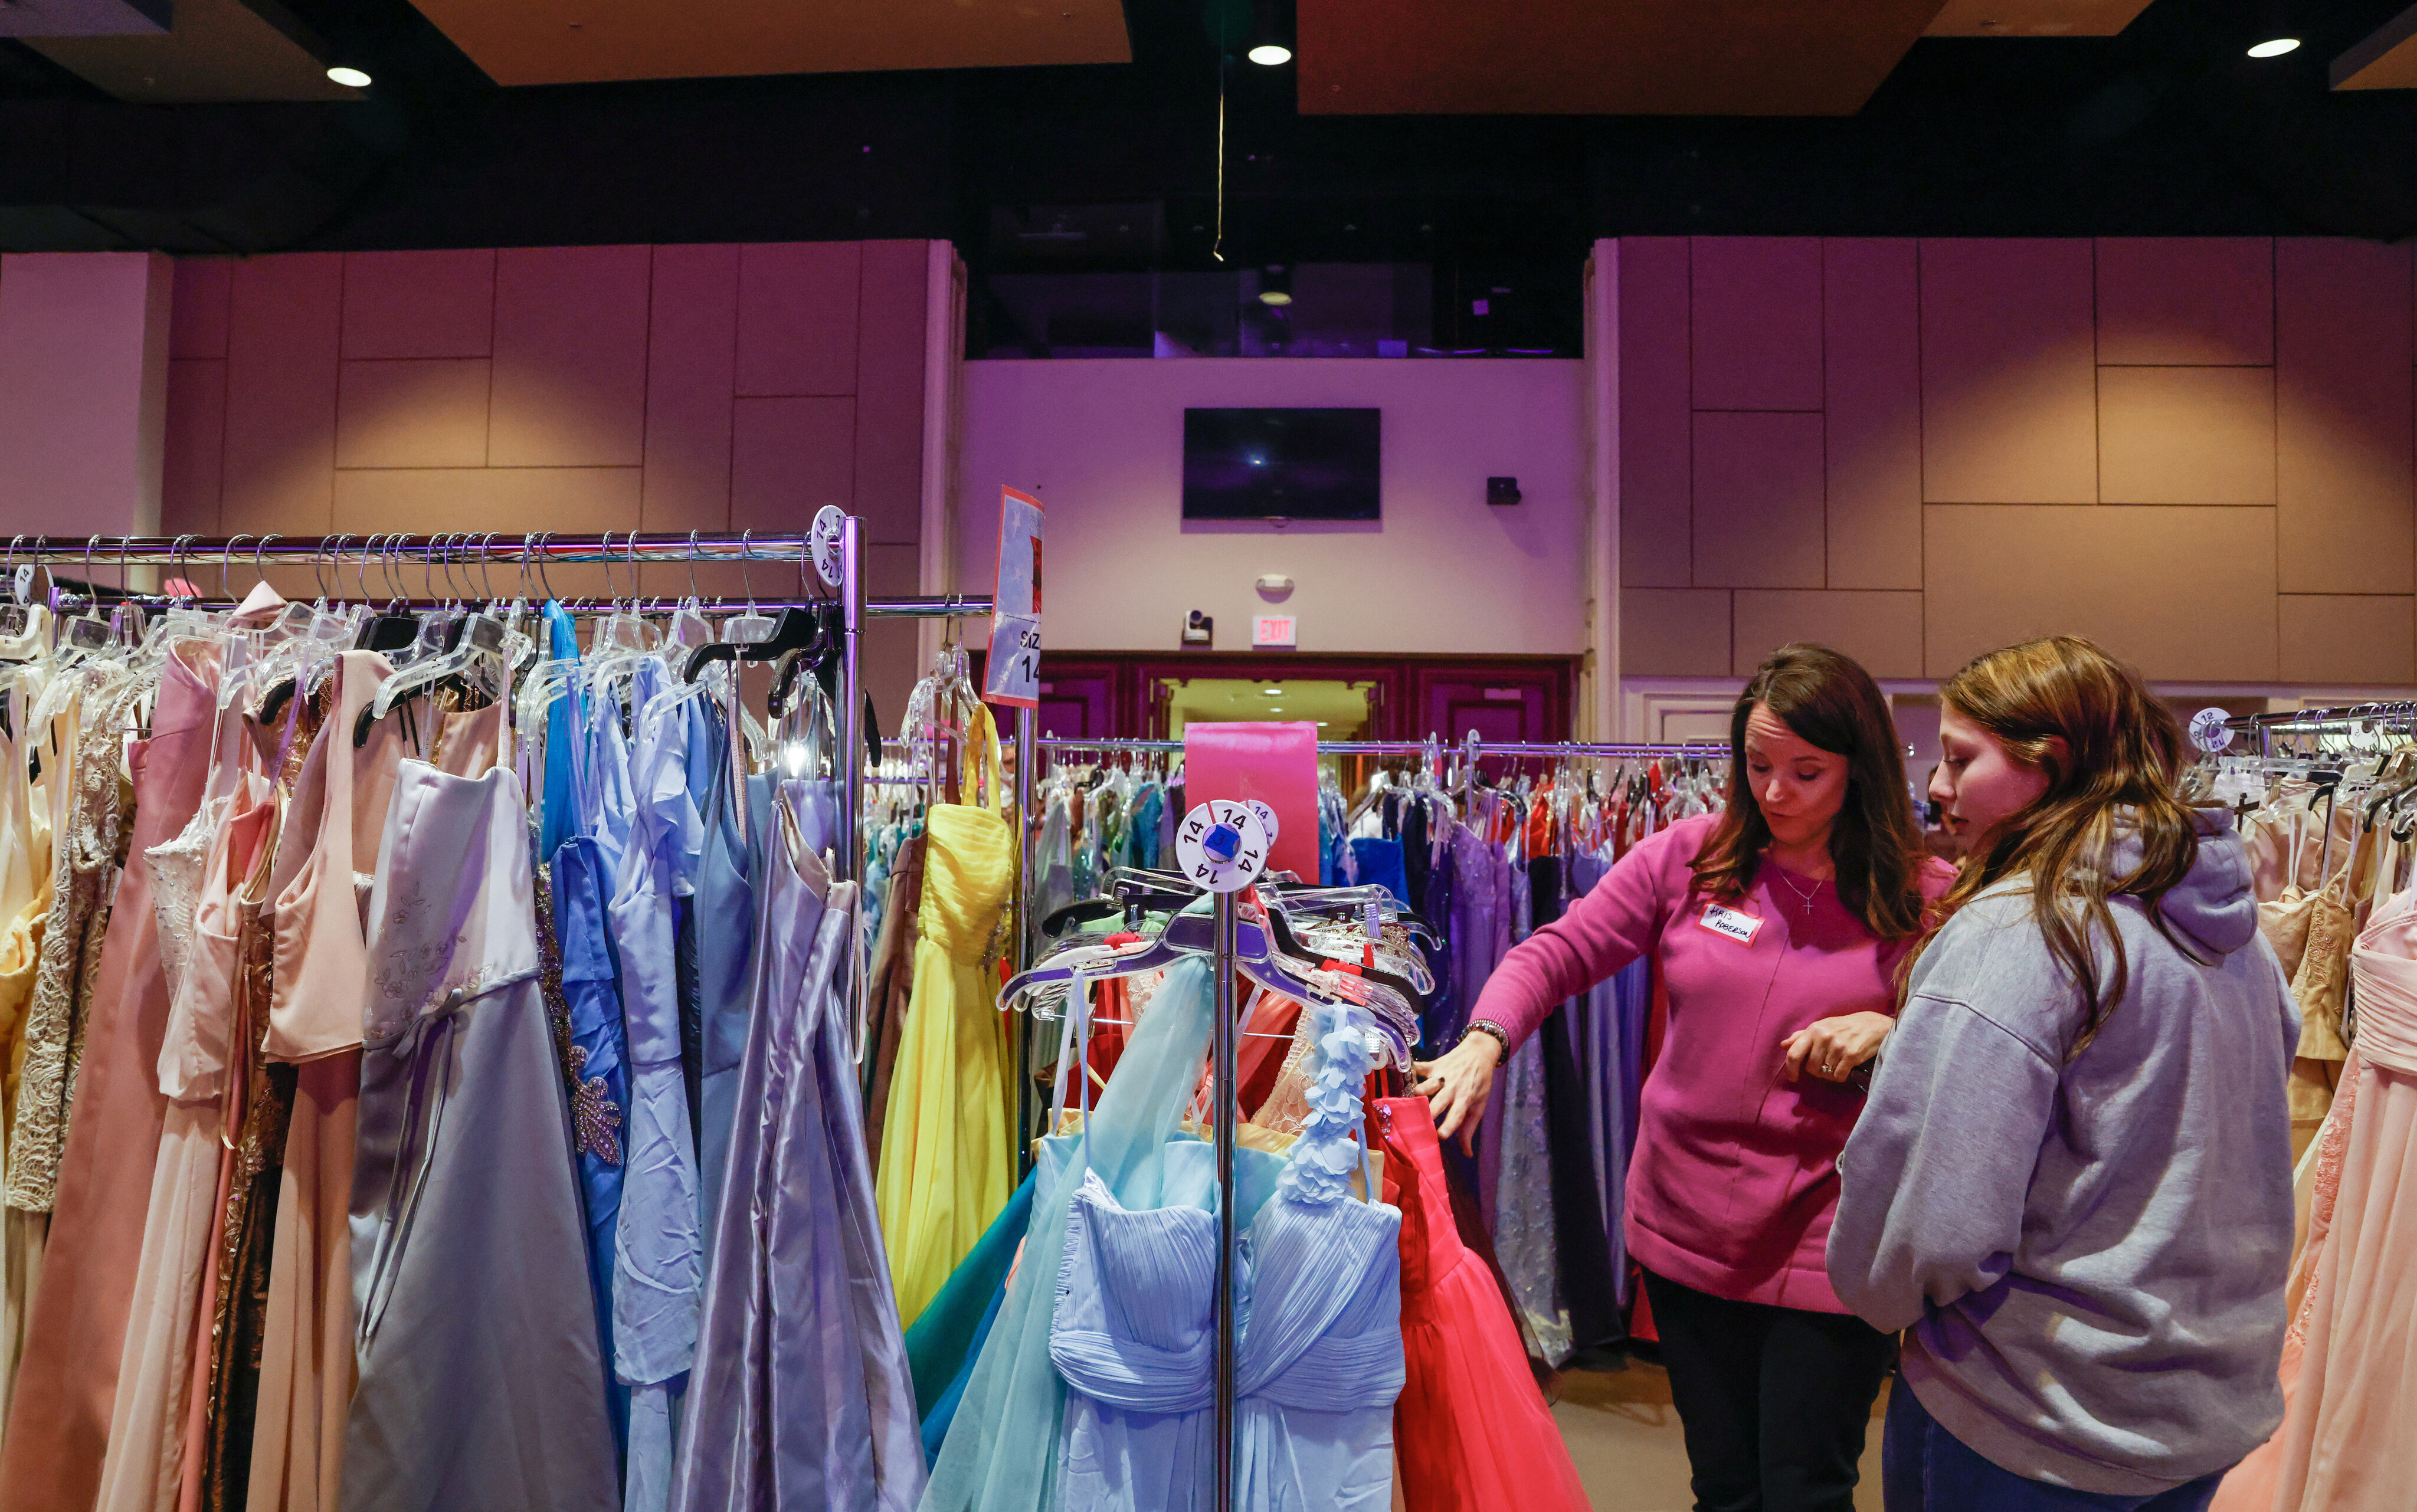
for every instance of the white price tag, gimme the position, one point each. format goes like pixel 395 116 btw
pixel 1014 675
pixel 24 582
pixel 2209 732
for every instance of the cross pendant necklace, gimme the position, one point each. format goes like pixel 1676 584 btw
pixel 1808 897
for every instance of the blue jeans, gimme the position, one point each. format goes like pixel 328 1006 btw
pixel 1924 1468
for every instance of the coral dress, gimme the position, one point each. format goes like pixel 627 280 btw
pixel 1471 1429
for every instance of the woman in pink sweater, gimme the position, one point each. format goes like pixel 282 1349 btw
pixel 1775 930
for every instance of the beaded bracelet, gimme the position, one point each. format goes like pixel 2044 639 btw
pixel 1500 1034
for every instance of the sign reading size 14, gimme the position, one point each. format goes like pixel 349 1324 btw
pixel 1013 675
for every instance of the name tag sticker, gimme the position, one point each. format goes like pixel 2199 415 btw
pixel 1729 924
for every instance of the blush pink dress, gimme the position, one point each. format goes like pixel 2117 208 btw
pixel 59 1416
pixel 2349 1384
pixel 314 1020
pixel 155 1367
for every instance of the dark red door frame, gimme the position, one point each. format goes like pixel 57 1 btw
pixel 1104 694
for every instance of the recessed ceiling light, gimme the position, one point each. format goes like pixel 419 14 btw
pixel 1272 692
pixel 2275 48
pixel 349 78
pixel 1274 296
pixel 1271 56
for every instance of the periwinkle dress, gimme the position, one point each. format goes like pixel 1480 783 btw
pixel 657 1257
pixel 1319 1357
pixel 801 1395
pixel 475 1331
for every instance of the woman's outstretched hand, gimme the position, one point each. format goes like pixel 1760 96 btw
pixel 1456 1085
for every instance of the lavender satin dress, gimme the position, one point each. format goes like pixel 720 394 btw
pixel 800 1395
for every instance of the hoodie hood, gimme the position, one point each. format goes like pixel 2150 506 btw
pixel 2215 903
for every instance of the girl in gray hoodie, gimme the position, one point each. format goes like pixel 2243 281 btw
pixel 2072 1184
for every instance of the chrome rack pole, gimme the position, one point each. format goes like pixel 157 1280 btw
pixel 851 697
pixel 1229 1236
pixel 1025 928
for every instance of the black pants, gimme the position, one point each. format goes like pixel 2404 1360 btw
pixel 1775 1402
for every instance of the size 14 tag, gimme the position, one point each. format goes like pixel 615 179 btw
pixel 1014 674
pixel 1729 924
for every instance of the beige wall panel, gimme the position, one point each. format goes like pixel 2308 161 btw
pixel 2346 638
pixel 424 413
pixel 1882 631
pixel 1673 632
pixel 1756 312
pixel 2186 301
pixel 2008 375
pixel 693 332
pixel 888 644
pixel 196 453
pixel 797 317
pixel 2342 415
pixel 510 501
pixel 284 322
pixel 1654 444
pixel 1871 320
pixel 421 304
pixel 197 326
pixel 889 486
pixel 788 458
pixel 570 356
pixel 1758 499
pixel 2186 435
pixel 2181 592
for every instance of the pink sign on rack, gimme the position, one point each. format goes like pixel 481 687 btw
pixel 1273 762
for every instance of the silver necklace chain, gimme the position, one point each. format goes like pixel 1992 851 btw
pixel 1807 896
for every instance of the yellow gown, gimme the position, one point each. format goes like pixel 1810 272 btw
pixel 947 1162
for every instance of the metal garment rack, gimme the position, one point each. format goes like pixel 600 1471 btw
pixel 2400 714
pixel 1223 938
pixel 467 561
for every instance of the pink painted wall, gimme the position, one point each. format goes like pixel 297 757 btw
pixel 82 396
pixel 570 388
pixel 2200 452
pixel 1101 444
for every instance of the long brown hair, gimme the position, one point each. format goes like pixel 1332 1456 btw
pixel 2112 754
pixel 1829 702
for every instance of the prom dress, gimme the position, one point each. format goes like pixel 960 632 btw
pixel 1318 1359
pixel 946 1164
pixel 480 1361
pixel 1473 1430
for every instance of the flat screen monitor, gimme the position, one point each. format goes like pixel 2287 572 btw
pixel 1287 464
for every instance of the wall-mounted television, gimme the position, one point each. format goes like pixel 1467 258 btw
pixel 1281 464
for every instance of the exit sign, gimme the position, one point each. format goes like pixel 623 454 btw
pixel 1274 633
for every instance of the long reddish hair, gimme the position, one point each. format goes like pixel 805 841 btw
pixel 1831 701
pixel 2112 753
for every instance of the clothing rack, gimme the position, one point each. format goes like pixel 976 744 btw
pixel 1691 751
pixel 2345 719
pixel 1222 932
pixel 467 560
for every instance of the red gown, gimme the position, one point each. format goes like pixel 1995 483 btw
pixel 1472 1428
